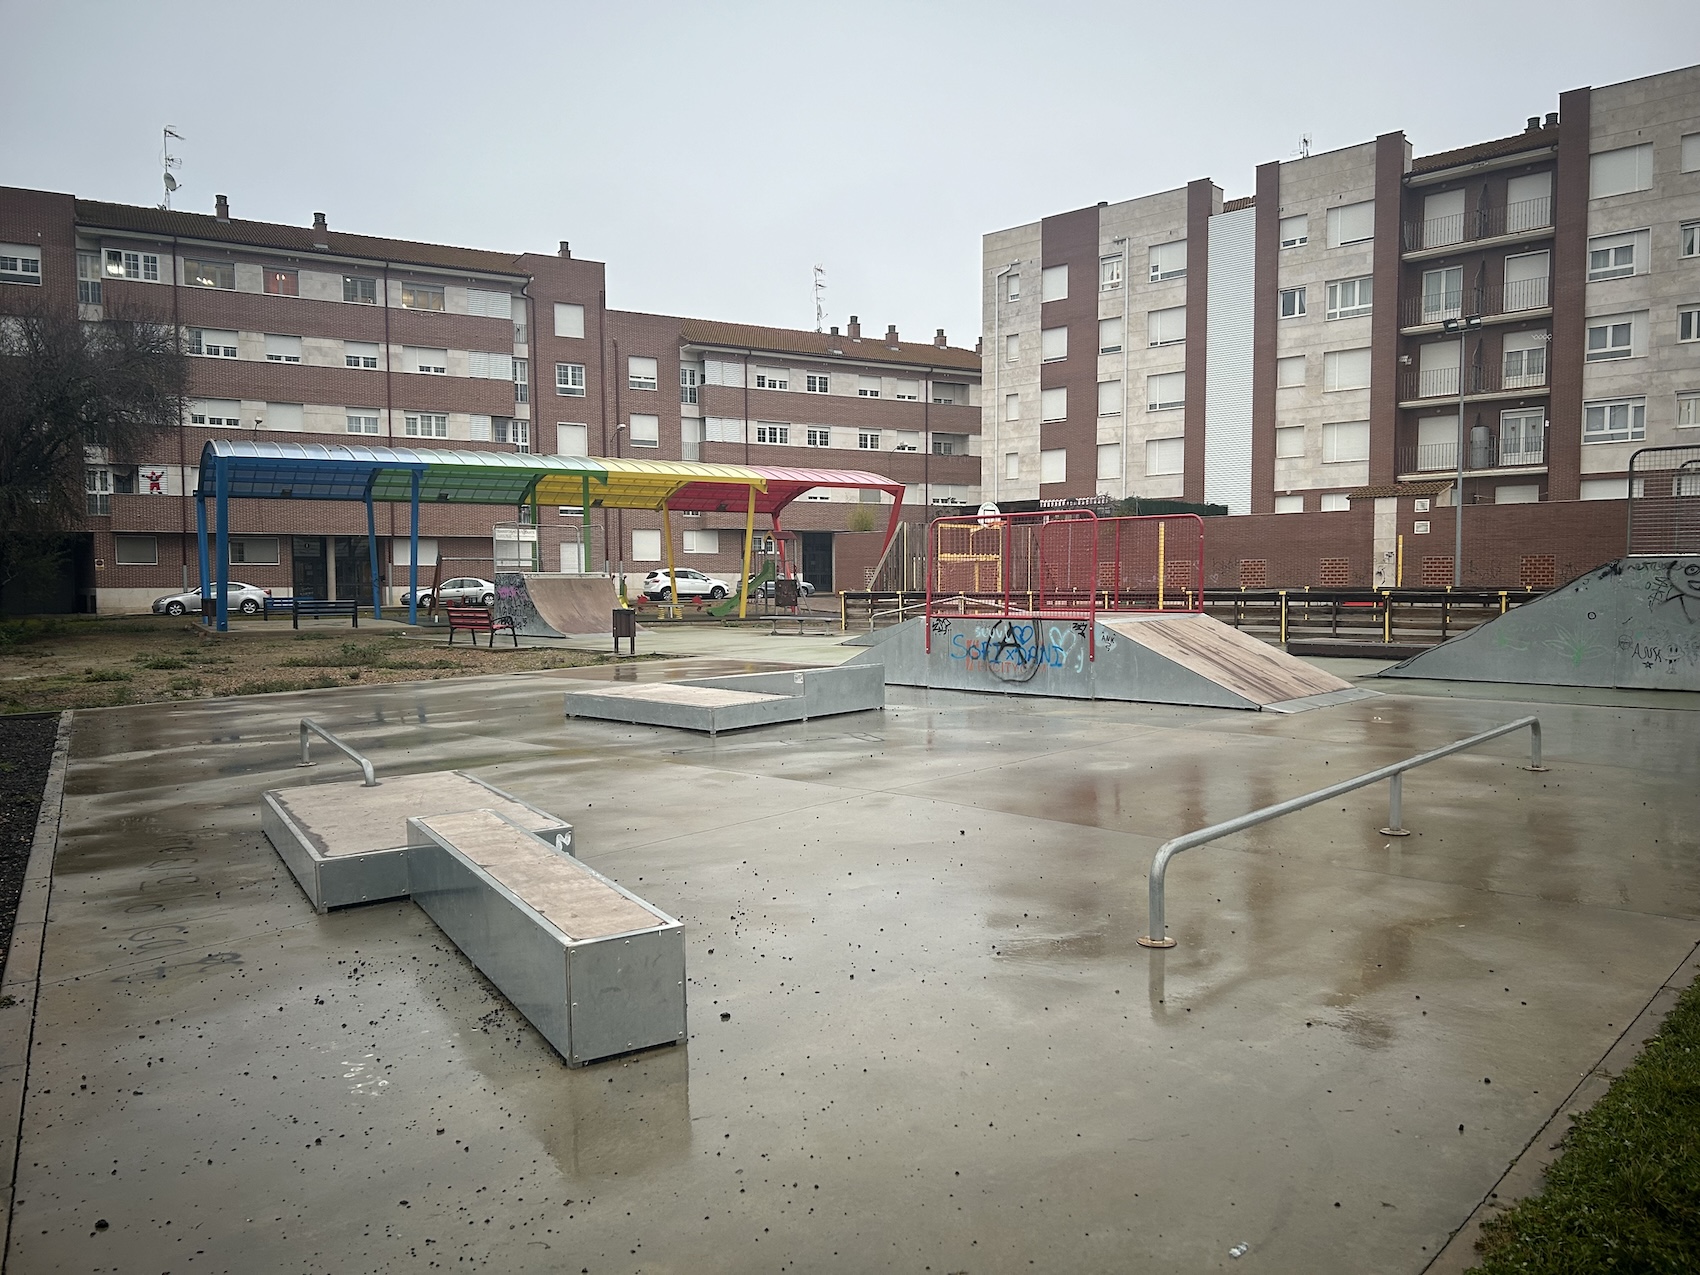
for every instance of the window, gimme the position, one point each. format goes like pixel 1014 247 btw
pixel 1351 223
pixel 417 358
pixel 1109 461
pixel 1443 219
pixel 569 320
pixel 209 274
pixel 421 296
pixel 132 265
pixel 1290 442
pixel 1607 488
pixel 1526 281
pixel 770 433
pixel 1345 441
pixel 868 386
pixel 362 422
pixel 20 264
pixel 1688 323
pixel 1110 273
pixel 572 440
pixel 1620 420
pixel 1012 407
pixel 646 545
pixel 1109 398
pixel 507 430
pixel 689 379
pixel 215 413
pixel 1691 236
pixel 251 551
pixel 1290 372
pixel 950 393
pixel 1053 345
pixel 817 383
pixel 908 391
pixel 143 551
pixel 641 374
pixel 1614 256
pixel 1165 390
pixel 1611 337
pixel 283 416
pixel 1349 298
pixel 1295 231
pixel 283 349
pixel 645 430
pixel 1691 152
pixel 868 440
pixel 1334 502
pixel 1688 409
pixel 88 278
pixel 427 425
pixel 210 344
pixel 97 489
pixel 1528 202
pixel 360 288
pixel 1053 284
pixel 569 380
pixel 1289 504
pixel 1012 348
pixel 1165 456
pixel 496 305
pixel 772 378
pixel 1053 404
pixel 1014 290
pixel 1166 327
pixel 522 380
pixel 282 283
pixel 1525 360
pixel 950 444
pixel 1292 303
pixel 818 437
pixel 1345 370
pixel 1012 465
pixel 1443 294
pixel 1110 336
pixel 1168 260
pixel 1618 172
pixel 1053 465
pixel 702 542
pixel 1522 436
pixel 359 354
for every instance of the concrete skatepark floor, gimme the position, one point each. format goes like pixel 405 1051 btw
pixel 944 1049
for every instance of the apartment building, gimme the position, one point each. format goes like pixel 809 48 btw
pixel 1308 349
pixel 315 335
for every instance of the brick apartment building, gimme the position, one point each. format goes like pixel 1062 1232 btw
pixel 309 334
pixel 1302 351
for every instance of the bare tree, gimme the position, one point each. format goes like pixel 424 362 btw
pixel 70 390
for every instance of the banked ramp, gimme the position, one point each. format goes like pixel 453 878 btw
pixel 1632 623
pixel 546 604
pixel 1156 659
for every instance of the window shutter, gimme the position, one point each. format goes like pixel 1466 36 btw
pixel 1109 460
pixel 1617 172
pixel 1053 344
pixel 1053 284
pixel 1295 231
pixel 489 305
pixel 1053 465
pixel 1346 369
pixel 1167 327
pixel 284 348
pixel 569 319
pixel 1351 223
pixel 1109 398
pixel 478 428
pixel 1053 405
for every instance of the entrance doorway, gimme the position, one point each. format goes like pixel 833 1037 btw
pixel 353 569
pixel 309 575
pixel 817 559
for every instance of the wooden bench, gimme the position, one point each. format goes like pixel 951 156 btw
pixel 826 625
pixel 317 609
pixel 476 620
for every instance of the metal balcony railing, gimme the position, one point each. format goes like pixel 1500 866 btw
pixel 1517 370
pixel 1486 448
pixel 1436 305
pixel 1523 217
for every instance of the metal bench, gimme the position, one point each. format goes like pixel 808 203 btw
pixel 476 620
pixel 319 609
pixel 824 625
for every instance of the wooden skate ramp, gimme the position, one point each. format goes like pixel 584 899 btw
pixel 1262 673
pixel 550 605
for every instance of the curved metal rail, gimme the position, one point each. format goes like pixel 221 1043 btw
pixel 308 725
pixel 1157 936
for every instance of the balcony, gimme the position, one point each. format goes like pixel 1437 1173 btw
pixel 1486 449
pixel 1518 372
pixel 1517 299
pixel 1519 220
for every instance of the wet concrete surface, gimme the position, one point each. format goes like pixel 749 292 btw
pixel 945 1050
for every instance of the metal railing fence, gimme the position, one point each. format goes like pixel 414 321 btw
pixel 308 725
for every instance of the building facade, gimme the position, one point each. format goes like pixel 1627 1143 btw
pixel 1311 348
pixel 309 334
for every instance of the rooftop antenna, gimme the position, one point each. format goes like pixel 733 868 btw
pixel 1304 147
pixel 168 161
pixel 820 295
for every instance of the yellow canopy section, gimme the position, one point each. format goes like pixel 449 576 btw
pixel 642 484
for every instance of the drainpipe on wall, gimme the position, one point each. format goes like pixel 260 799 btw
pixel 1127 409
pixel 389 407
pixel 182 433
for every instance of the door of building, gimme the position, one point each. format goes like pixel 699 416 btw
pixel 817 559
pixel 353 569
pixel 309 575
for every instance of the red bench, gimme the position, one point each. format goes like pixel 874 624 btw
pixel 476 620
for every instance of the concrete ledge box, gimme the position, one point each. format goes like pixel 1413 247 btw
pixel 714 704
pixel 594 968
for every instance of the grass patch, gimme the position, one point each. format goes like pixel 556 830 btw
pixel 161 661
pixel 348 655
pixel 1625 1194
pixel 272 685
pixel 22 632
pixel 107 675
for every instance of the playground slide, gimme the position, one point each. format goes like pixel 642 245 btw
pixel 729 606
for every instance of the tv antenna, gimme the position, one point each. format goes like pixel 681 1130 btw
pixel 1304 147
pixel 820 295
pixel 168 161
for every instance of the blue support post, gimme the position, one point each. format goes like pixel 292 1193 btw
pixel 372 546
pixel 413 557
pixel 201 531
pixel 221 507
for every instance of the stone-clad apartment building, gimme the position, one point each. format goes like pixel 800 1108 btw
pixel 1290 352
pixel 309 334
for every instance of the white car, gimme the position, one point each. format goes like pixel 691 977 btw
pixel 461 589
pixel 692 584
pixel 246 598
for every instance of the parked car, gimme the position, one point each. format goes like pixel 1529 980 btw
pixel 804 588
pixel 461 589
pixel 692 584
pixel 246 598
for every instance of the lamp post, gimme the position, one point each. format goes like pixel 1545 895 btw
pixel 1463 324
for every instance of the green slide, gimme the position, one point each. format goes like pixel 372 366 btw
pixel 729 606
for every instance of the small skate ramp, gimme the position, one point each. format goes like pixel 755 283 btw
pixel 551 605
pixel 1155 659
pixel 1633 623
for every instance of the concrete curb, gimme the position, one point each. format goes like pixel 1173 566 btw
pixel 22 977
pixel 1524 1176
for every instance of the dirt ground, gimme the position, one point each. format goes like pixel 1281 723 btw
pixel 26 748
pixel 52 664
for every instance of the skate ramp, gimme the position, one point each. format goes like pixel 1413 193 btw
pixel 555 605
pixel 1156 659
pixel 1632 623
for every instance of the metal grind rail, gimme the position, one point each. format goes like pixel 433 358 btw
pixel 1157 935
pixel 308 725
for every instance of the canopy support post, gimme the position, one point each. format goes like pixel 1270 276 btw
pixel 667 539
pixel 372 547
pixel 584 532
pixel 749 535
pixel 201 532
pixel 221 502
pixel 413 556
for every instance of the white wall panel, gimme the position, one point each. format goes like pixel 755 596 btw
pixel 1227 366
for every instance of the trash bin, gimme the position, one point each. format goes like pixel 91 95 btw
pixel 785 592
pixel 625 626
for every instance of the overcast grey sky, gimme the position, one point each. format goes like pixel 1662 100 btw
pixel 712 153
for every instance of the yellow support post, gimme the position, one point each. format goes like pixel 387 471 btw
pixel 749 536
pixel 843 615
pixel 1386 616
pixel 1283 594
pixel 1161 528
pixel 672 575
pixel 1399 570
pixel 1503 604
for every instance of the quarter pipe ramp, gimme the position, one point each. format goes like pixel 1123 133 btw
pixel 551 605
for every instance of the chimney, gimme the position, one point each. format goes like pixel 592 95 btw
pixel 321 231
pixel 938 339
pixel 978 342
pixel 1534 122
pixel 854 329
pixel 221 207
pixel 835 330
pixel 891 334
pixel 1552 119
pixel 566 250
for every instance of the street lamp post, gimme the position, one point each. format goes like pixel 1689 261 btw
pixel 1462 325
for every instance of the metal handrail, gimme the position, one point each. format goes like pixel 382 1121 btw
pixel 308 724
pixel 1157 935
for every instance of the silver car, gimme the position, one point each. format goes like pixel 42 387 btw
pixel 246 598
pixel 461 589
